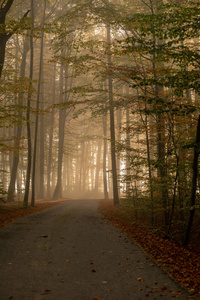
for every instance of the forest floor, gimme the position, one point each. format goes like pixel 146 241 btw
pixel 183 264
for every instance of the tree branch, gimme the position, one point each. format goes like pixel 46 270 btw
pixel 18 25
pixel 4 10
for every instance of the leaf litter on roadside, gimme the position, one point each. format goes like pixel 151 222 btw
pixel 181 263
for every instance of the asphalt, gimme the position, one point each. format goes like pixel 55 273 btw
pixel 70 252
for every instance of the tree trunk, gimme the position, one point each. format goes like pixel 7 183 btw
pixel 105 182
pixel 41 100
pixel 98 166
pixel 62 117
pixel 112 123
pixel 42 145
pixel 118 162
pixel 194 185
pixel 82 167
pixel 49 179
pixel 28 172
pixel 128 145
pixel 37 110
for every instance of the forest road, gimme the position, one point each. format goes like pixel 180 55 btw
pixel 69 252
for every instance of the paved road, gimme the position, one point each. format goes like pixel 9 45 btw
pixel 69 252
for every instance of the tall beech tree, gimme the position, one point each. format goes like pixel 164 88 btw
pixel 112 120
pixel 51 130
pixel 30 91
pixel 62 118
pixel 37 110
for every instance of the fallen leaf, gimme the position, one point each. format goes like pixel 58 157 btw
pixel 140 279
pixel 93 270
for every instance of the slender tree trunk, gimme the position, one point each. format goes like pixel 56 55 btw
pixel 37 110
pixel 194 186
pixel 112 123
pixel 98 166
pixel 49 165
pixel 105 148
pixel 118 162
pixel 28 172
pixel 42 145
pixel 162 167
pixel 149 164
pixel 62 117
pixel 128 145
pixel 41 100
pixel 86 170
pixel 82 167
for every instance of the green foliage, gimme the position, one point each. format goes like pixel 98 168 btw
pixel 164 42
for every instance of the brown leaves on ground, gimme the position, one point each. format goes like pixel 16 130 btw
pixel 14 210
pixel 182 264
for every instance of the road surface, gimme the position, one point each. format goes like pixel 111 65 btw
pixel 69 252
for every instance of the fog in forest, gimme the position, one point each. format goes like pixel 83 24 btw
pixel 100 99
